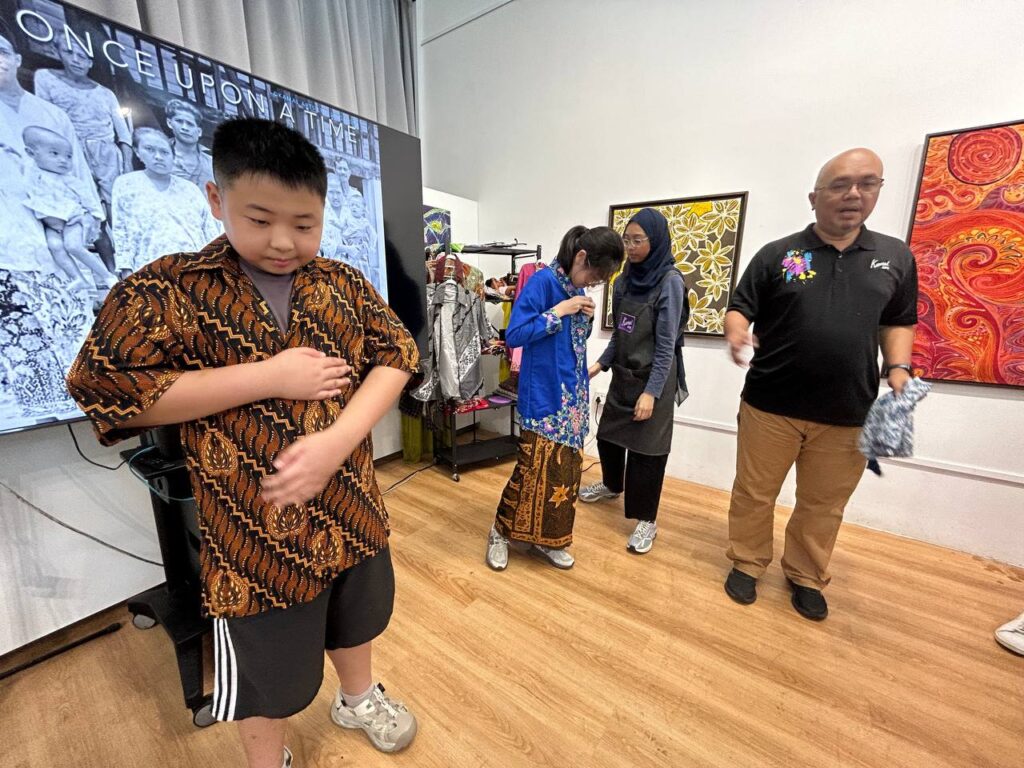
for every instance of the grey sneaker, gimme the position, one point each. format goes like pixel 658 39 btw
pixel 387 723
pixel 287 758
pixel 497 550
pixel 560 558
pixel 596 492
pixel 643 537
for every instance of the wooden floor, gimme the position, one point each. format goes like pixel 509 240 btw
pixel 622 661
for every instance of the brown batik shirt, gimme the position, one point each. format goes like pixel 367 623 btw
pixel 191 311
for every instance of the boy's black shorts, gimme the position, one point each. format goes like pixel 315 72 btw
pixel 272 664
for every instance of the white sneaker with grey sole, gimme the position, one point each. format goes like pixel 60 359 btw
pixel 497 550
pixel 597 492
pixel 388 724
pixel 1011 635
pixel 643 536
pixel 560 558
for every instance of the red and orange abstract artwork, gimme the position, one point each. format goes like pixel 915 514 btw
pixel 968 238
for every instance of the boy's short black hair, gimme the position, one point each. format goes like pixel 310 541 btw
pixel 248 146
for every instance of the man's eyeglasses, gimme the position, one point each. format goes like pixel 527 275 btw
pixel 866 186
pixel 634 242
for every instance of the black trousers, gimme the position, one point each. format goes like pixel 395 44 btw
pixel 639 475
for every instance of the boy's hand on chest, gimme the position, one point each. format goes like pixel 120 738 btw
pixel 303 373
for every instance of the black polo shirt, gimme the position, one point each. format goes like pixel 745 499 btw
pixel 816 314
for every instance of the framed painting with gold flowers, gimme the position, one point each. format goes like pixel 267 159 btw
pixel 706 236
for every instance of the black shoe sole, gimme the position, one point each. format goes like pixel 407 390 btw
pixel 739 598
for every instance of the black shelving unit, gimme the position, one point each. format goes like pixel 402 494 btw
pixel 494 448
pixel 488 449
pixel 175 605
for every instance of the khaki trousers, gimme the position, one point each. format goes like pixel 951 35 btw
pixel 828 468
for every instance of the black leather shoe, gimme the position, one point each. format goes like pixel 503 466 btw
pixel 809 603
pixel 741 587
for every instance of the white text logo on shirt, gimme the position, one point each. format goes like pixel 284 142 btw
pixel 876 264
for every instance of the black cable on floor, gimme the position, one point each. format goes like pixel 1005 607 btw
pixel 405 479
pixel 71 528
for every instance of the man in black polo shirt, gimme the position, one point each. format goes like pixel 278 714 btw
pixel 822 302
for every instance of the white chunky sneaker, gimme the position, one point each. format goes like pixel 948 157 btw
pixel 387 723
pixel 287 758
pixel 596 492
pixel 497 550
pixel 643 537
pixel 560 558
pixel 1011 635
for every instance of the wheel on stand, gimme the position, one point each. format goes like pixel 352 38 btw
pixel 203 717
pixel 142 621
pixel 455 477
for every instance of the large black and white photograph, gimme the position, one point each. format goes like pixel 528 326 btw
pixel 104 161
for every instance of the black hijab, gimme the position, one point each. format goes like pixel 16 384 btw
pixel 644 277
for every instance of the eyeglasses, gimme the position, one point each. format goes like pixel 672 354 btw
pixel 866 186
pixel 634 242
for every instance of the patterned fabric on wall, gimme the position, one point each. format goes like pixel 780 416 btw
pixel 706 235
pixel 967 235
pixel 437 227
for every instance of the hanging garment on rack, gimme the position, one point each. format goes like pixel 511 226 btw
pixel 451 266
pixel 525 273
pixel 458 329
pixel 505 368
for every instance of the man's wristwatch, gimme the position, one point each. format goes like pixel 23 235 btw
pixel 905 366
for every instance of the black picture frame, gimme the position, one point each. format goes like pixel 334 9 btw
pixel 707 315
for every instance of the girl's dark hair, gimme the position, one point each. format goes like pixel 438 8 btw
pixel 603 245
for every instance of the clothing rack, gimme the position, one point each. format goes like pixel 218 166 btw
pixel 494 448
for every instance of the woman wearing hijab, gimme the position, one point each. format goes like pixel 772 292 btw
pixel 634 437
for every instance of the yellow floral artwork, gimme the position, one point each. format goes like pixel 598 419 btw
pixel 706 235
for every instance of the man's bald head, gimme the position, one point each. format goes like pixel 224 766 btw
pixel 846 191
pixel 858 157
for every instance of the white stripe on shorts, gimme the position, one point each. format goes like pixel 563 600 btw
pixel 225 685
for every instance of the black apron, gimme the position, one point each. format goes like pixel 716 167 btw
pixel 634 354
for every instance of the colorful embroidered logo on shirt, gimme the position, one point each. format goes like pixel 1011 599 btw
pixel 627 323
pixel 797 266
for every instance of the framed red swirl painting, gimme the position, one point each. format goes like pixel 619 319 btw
pixel 967 235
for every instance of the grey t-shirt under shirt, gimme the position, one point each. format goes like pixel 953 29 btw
pixel 276 290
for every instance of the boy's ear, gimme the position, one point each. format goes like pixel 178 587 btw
pixel 213 195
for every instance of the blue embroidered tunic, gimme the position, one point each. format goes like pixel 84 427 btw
pixel 554 389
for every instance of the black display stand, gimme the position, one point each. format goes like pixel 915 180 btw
pixel 175 605
pixel 495 448
pixel 490 449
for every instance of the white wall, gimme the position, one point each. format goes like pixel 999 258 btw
pixel 547 112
